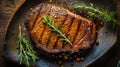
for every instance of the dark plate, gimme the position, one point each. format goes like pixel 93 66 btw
pixel 106 36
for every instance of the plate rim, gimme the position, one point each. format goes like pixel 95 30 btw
pixel 92 62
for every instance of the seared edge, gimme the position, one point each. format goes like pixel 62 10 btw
pixel 87 33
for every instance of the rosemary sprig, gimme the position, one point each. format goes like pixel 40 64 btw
pixel 50 22
pixel 27 55
pixel 108 16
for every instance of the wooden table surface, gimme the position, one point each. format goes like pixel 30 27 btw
pixel 7 11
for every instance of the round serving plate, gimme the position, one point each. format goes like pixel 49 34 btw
pixel 106 35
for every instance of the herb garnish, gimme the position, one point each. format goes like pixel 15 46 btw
pixel 92 11
pixel 27 55
pixel 50 22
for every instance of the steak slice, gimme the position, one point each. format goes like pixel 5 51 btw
pixel 82 32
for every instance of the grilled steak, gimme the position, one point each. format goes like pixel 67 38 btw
pixel 80 30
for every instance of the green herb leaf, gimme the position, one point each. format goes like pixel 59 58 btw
pixel 91 4
pixel 108 16
pixel 26 52
pixel 76 6
pixel 50 22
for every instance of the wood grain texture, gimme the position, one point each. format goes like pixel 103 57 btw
pixel 7 11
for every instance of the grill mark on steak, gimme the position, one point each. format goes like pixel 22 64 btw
pixel 45 35
pixel 72 32
pixel 79 24
pixel 86 37
pixel 73 29
pixel 40 39
pixel 33 16
pixel 59 20
pixel 39 11
pixel 35 29
pixel 39 25
pixel 61 30
pixel 47 30
pixel 84 44
pixel 81 31
pixel 65 29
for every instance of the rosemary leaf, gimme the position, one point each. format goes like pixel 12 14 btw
pixel 108 16
pixel 26 52
pixel 91 4
pixel 50 22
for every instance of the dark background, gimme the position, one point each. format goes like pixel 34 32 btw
pixel 9 7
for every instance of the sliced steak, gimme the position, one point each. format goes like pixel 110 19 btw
pixel 81 31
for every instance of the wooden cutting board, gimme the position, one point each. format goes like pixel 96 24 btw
pixel 7 10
